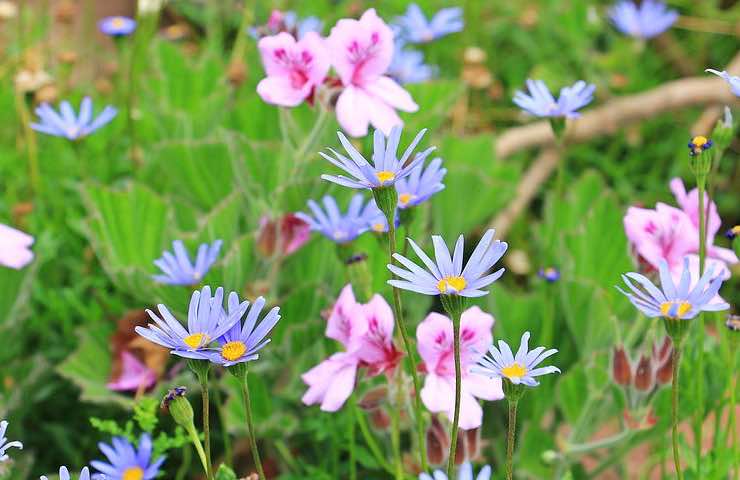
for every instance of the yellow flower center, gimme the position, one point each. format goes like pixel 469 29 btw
pixel 379 227
pixel 736 229
pixel 385 176
pixel 699 141
pixel 514 370
pixel 133 473
pixel 118 23
pixel 405 198
pixel 674 309
pixel 196 340
pixel 233 350
pixel 457 283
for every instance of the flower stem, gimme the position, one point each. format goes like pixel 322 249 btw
pixel 352 459
pixel 699 414
pixel 370 440
pixel 396 441
pixel 674 410
pixel 198 448
pixel 510 438
pixel 250 425
pixel 458 388
pixel 203 378
pixel 398 312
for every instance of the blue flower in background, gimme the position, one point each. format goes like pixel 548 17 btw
pixel 649 19
pixel 375 219
pixel 386 168
pixel 331 223
pixel 549 274
pixel 64 475
pixel 732 80
pixel 541 103
pixel 207 321
pixel 408 65
pixel 675 302
pixel 280 21
pixel 519 368
pixel 465 473
pixel 415 28
pixel 421 184
pixel 117 26
pixel 69 125
pixel 242 342
pixel 177 269
pixel 5 444
pixel 127 462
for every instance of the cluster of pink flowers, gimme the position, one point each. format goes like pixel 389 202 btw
pixel 366 332
pixel 672 234
pixel 360 52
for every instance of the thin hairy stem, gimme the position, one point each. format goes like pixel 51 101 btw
pixel 510 438
pixel 458 388
pixel 206 423
pixel 250 426
pixel 674 411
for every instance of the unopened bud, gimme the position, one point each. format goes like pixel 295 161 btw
pixel 621 368
pixel 644 379
pixel 549 457
pixel 460 450
pixel 472 443
pixel 437 442
pixel 373 398
pixel 236 73
pixel 179 407
pixel 380 419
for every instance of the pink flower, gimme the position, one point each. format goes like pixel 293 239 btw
pixel 362 51
pixel 15 248
pixel 435 344
pixel 134 375
pixel 288 233
pixel 294 68
pixel 689 203
pixel 366 332
pixel 664 233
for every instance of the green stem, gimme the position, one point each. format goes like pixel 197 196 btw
pixel 510 438
pixel 732 424
pixel 352 459
pixel 250 425
pixel 206 423
pixel 31 147
pixel 699 414
pixel 398 312
pixel 370 440
pixel 198 448
pixel 598 444
pixel 458 388
pixel 396 442
pixel 674 410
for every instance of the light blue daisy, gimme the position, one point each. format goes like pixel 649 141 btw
pixel 647 20
pixel 421 184
pixel 464 473
pixel 64 475
pixel 332 223
pixel 408 65
pixel 732 80
pixel 541 103
pixel 5 444
pixel 177 268
pixel 69 125
pixel 117 26
pixel 519 368
pixel 415 27
pixel 125 462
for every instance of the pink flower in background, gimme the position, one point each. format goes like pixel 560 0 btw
pixel 366 332
pixel 689 203
pixel 361 54
pixel 287 233
pixel 15 247
pixel 134 375
pixel 435 344
pixel 294 68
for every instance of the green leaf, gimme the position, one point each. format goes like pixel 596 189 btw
pixel 225 473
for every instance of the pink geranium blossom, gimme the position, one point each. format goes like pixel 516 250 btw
pixel 294 68
pixel 362 51
pixel 134 375
pixel 435 344
pixel 366 333
pixel 15 247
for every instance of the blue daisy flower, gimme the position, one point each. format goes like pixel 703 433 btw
pixel 331 223
pixel 127 462
pixel 464 473
pixel 177 269
pixel 375 219
pixel 519 368
pixel 647 20
pixel 64 475
pixel 117 26
pixel 446 275
pixel 541 103
pixel 407 66
pixel 5 444
pixel 416 28
pixel 242 342
pixel 69 125
pixel 421 184
pixel 732 80
pixel 386 168
pixel 671 301
pixel 207 321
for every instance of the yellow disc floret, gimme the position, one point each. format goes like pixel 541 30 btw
pixel 514 371
pixel 133 473
pixel 457 283
pixel 405 198
pixel 196 340
pixel 233 350
pixel 385 176
pixel 674 309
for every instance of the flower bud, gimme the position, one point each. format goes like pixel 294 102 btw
pixel 664 374
pixel 460 450
pixel 724 130
pixel 179 407
pixel 380 419
pixel 621 368
pixel 373 398
pixel 644 379
pixel 437 442
pixel 472 443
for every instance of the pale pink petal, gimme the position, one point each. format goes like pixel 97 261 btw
pixel 483 387
pixel 331 382
pixel 270 50
pixel 280 91
pixel 475 334
pixel 347 320
pixel 361 49
pixel 438 393
pixel 434 339
pixel 315 47
pixel 15 247
pixel 134 375
pixel 689 203
pixel 391 93
pixel 664 233
pixel 377 342
pixel 353 111
pixel 382 116
pixel 471 413
pixel 723 254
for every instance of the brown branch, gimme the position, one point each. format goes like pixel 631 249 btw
pixel 604 120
